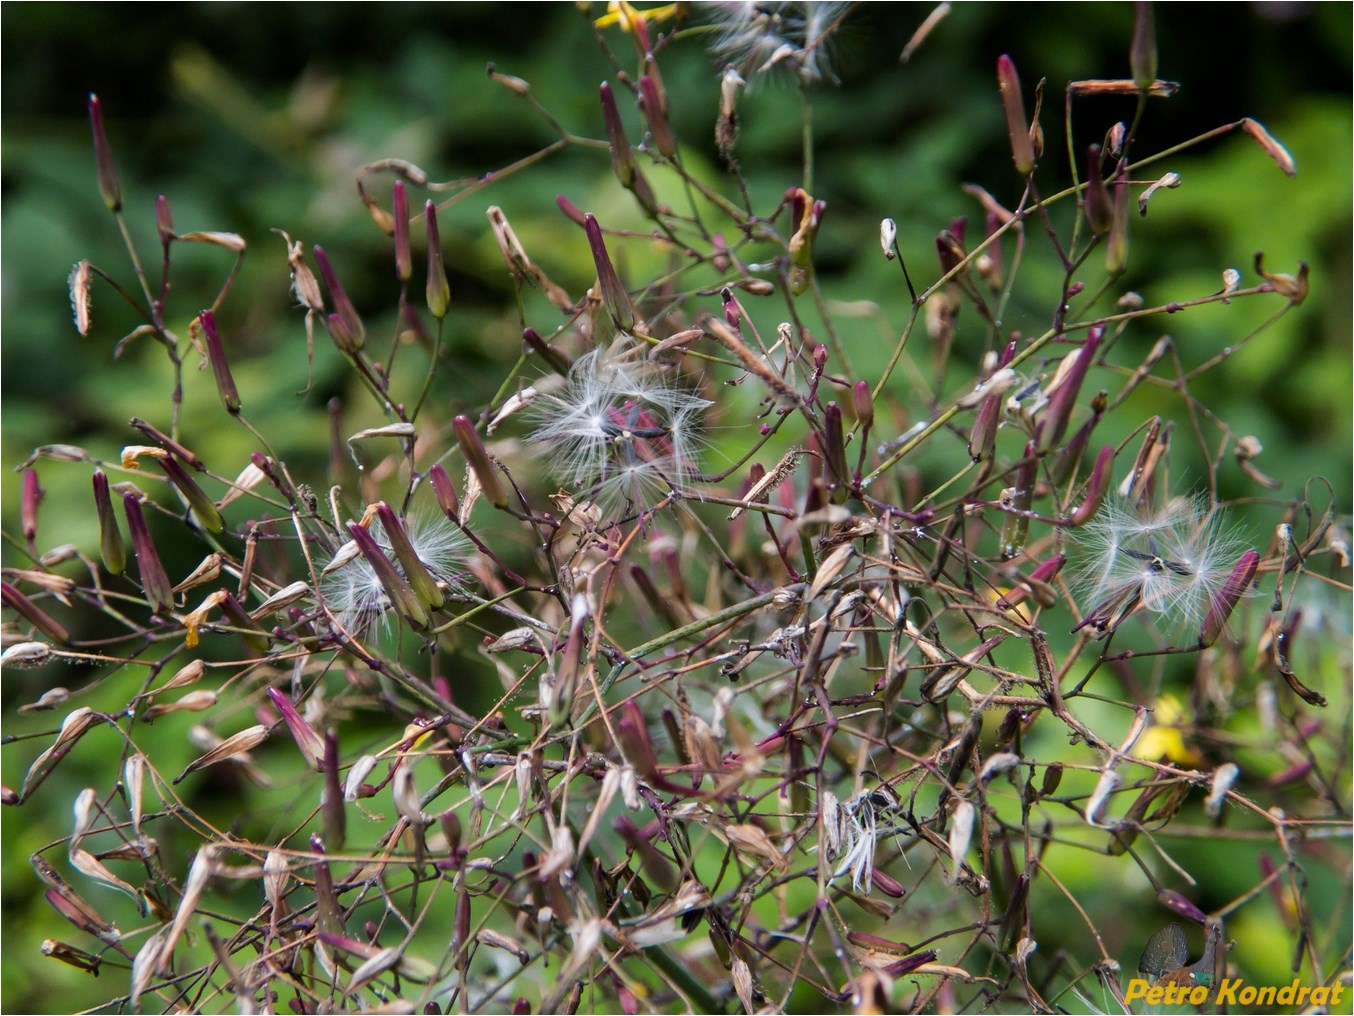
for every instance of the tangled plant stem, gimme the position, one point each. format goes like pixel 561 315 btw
pixel 747 725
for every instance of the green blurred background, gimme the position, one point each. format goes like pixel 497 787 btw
pixel 256 117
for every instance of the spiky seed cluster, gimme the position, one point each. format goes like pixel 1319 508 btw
pixel 354 592
pixel 757 38
pixel 1172 561
pixel 619 431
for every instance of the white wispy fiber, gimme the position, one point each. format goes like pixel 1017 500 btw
pixel 619 431
pixel 861 829
pixel 350 586
pixel 1172 561
pixel 758 38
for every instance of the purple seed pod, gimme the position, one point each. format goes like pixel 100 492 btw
pixel 154 581
pixel 225 383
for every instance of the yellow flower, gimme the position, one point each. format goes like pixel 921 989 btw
pixel 1164 738
pixel 619 12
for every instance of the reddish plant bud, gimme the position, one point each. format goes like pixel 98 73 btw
pixel 328 918
pixel 834 449
pixel 910 963
pixel 1063 398
pixel 445 492
pixel 439 290
pixel 404 264
pixel 633 734
pixel 1142 56
pixel 862 400
pixel 415 571
pixel 1226 598
pixel 164 222
pixel 109 184
pixel 1017 125
pixel 622 160
pixel 949 251
pixel 569 208
pixel 477 456
pixel 233 611
pixel 32 497
pixel 887 884
pixel 111 548
pixel 614 296
pixel 168 443
pixel 651 104
pixel 154 581
pixel 655 865
pixel 1037 583
pixel 401 596
pixel 225 383
pixel 1096 488
pixel 1116 246
pixel 1172 900
pixel 1068 457
pixel 732 314
pixel 1099 206
pixel 983 435
pixel 32 613
pixel 345 327
pixel 559 362
pixel 307 738
pixel 204 509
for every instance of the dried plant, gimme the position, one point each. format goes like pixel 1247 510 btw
pixel 819 689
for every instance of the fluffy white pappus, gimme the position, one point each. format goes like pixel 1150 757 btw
pixel 757 38
pixel 354 593
pixel 1173 561
pixel 619 431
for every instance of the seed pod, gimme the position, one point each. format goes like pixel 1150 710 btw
pixel 1223 780
pixel 1015 530
pixel 1096 488
pixel 1099 205
pixel 204 509
pixel 888 238
pixel 1017 125
pixel 1116 246
pixel 401 596
pixel 154 581
pixel 415 571
pixel 614 296
pixel 651 103
pixel 345 327
pixel 111 548
pixel 622 159
pixel 1226 598
pixel 307 738
pixel 404 265
pixel 1142 57
pixel 109 184
pixel 1064 391
pixel 444 492
pixel 438 290
pixel 225 383
pixel 478 459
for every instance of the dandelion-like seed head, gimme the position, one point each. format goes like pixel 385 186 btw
pixel 860 824
pixel 619 431
pixel 351 587
pixel 1172 561
pixel 759 37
